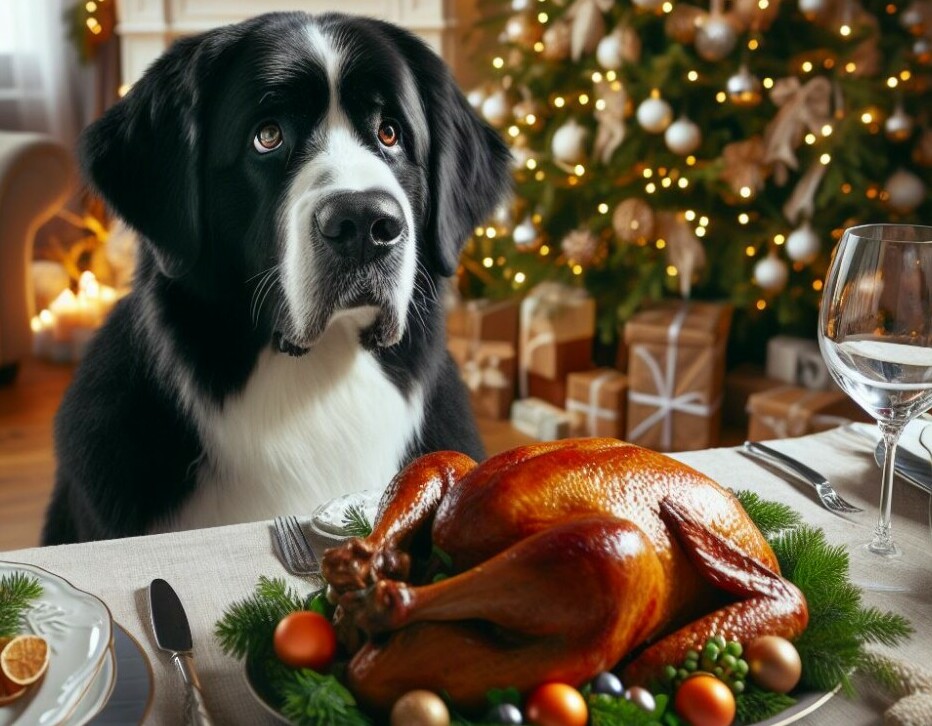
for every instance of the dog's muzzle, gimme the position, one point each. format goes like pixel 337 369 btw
pixel 360 226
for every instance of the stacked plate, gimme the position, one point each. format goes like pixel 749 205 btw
pixel 82 667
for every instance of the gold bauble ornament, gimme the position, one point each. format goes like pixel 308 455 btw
pixel 682 22
pixel 633 220
pixel 773 663
pixel 523 30
pixel 899 125
pixel 556 42
pixel 744 88
pixel 580 246
pixel 716 37
pixel 922 153
pixel 420 708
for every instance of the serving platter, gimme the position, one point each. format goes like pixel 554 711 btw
pixel 79 630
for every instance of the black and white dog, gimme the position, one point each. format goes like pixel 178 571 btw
pixel 302 185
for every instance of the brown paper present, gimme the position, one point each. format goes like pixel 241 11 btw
pixel 557 330
pixel 484 320
pixel 741 383
pixel 597 401
pixel 489 375
pixel 676 369
pixel 791 411
pixel 539 419
pixel 551 391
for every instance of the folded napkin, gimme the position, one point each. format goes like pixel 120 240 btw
pixel 909 439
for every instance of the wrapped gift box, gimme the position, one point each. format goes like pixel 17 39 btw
pixel 484 320
pixel 539 419
pixel 676 370
pixel 557 329
pixel 794 411
pixel 740 384
pixel 597 400
pixel 798 361
pixel 489 374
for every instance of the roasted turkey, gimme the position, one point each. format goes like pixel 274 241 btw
pixel 563 559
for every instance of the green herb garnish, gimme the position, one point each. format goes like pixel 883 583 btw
pixel 356 523
pixel 312 699
pixel 17 591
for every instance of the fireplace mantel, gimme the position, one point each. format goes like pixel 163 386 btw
pixel 148 27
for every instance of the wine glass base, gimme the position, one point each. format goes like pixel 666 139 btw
pixel 887 550
pixel 892 568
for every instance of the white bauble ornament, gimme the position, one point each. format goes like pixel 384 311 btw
pixel 682 136
pixel 476 97
pixel 813 9
pixel 654 115
pixel 520 156
pixel 525 234
pixel 899 125
pixel 495 109
pixel 651 5
pixel 608 52
pixel 906 191
pixel 771 273
pixel 519 5
pixel 716 38
pixel 569 143
pixel 803 244
pixel 744 88
pixel 915 18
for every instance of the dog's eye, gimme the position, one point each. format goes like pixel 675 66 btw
pixel 389 132
pixel 268 138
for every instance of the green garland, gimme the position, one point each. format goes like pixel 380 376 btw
pixel 17 591
pixel 831 649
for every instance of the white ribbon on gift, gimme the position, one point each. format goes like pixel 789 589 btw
pixel 547 298
pixel 664 400
pixel 795 422
pixel 476 376
pixel 593 411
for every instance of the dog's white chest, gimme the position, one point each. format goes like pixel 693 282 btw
pixel 303 431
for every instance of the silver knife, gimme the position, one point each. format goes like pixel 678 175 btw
pixel 173 635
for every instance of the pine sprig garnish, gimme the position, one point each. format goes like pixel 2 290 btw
pixel 247 626
pixel 355 522
pixel 832 647
pixel 17 591
pixel 313 699
pixel 756 704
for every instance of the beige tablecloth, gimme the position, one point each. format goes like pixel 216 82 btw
pixel 211 568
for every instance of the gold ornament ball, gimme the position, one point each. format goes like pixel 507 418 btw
pixel 556 42
pixel 744 88
pixel 716 38
pixel 653 6
pixel 580 246
pixel 633 220
pixel 682 22
pixel 420 708
pixel 899 125
pixel 773 663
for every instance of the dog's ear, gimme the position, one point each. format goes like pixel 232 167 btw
pixel 469 167
pixel 143 155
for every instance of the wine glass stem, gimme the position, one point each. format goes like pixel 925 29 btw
pixel 882 542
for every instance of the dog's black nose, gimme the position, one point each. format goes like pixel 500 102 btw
pixel 360 225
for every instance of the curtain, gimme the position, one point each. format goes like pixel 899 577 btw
pixel 43 87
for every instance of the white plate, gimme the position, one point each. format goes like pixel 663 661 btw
pixel 79 630
pixel 98 694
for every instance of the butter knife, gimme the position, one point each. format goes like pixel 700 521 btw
pixel 173 635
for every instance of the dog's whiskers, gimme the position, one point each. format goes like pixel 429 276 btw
pixel 273 280
pixel 261 292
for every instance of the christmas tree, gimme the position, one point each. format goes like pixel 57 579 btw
pixel 669 149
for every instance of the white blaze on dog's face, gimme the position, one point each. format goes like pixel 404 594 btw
pixel 348 231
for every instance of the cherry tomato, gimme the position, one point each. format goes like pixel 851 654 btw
pixel 305 640
pixel 556 704
pixel 703 700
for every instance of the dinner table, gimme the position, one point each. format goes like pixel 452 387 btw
pixel 212 568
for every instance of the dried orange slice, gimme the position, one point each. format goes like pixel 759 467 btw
pixel 25 659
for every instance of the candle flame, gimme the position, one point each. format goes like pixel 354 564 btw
pixel 65 299
pixel 46 318
pixel 35 324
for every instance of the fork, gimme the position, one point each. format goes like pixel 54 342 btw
pixel 297 555
pixel 827 494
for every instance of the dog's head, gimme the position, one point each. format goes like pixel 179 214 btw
pixel 309 165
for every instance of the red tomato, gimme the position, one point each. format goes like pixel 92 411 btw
pixel 305 640
pixel 556 704
pixel 703 700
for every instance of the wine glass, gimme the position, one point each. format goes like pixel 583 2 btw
pixel 875 333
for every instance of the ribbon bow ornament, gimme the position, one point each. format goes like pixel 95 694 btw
pixel 684 250
pixel 588 25
pixel 611 119
pixel 744 165
pixel 801 107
